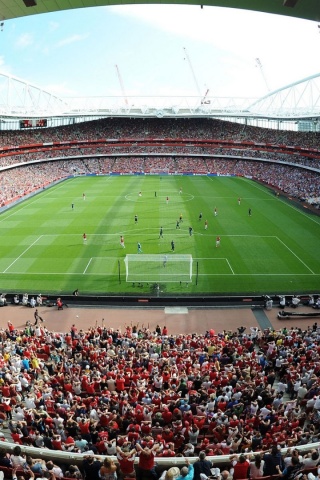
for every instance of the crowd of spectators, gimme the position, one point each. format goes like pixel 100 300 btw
pixel 146 394
pixel 151 152
pixel 203 136
pixel 301 184
pixel 155 128
pixel 179 141
pixel 147 146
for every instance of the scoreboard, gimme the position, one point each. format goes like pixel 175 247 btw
pixel 33 123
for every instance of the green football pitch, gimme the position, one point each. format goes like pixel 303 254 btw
pixel 275 250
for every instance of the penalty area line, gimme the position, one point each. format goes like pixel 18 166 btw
pixel 291 251
pixel 230 266
pixel 30 246
pixel 87 266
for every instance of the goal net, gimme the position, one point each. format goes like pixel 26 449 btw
pixel 159 171
pixel 158 268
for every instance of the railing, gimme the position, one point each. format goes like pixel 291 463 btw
pixel 77 458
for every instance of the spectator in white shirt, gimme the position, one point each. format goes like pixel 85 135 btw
pixel 51 467
pixel 16 458
pixel 317 403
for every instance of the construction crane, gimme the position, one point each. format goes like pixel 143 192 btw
pixel 205 100
pixel 192 71
pixel 121 85
pixel 259 65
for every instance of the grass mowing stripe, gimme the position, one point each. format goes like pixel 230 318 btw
pixel 21 206
pixel 296 209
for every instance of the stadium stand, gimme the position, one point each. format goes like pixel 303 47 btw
pixel 72 396
pixel 287 161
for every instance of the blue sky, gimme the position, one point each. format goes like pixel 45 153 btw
pixel 74 53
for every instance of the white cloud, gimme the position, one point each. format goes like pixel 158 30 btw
pixel 72 39
pixel 24 40
pixel 53 26
pixel 222 43
pixel 235 38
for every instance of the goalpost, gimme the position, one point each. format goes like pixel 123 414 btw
pixel 158 268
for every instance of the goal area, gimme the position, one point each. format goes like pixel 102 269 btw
pixel 158 268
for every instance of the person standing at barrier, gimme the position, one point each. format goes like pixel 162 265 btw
pixel 108 470
pixel 186 473
pixel 202 465
pixel 146 465
pixel 126 458
pixel 91 466
pixel 272 461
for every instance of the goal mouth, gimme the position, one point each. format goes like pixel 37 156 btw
pixel 156 268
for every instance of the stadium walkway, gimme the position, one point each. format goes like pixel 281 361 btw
pixel 178 320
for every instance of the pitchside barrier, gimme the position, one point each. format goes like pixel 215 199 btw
pixel 60 457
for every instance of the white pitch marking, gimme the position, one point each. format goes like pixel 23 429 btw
pixel 295 255
pixel 200 274
pixel 87 266
pixel 14 261
pixel 229 265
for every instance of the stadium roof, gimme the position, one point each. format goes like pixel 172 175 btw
pixel 306 9
pixel 299 100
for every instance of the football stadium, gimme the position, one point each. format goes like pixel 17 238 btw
pixel 175 240
pixel 160 197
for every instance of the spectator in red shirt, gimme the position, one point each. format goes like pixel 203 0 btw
pixel 56 442
pixel 126 458
pixel 167 435
pixel 146 466
pixel 84 427
pixel 120 383
pixel 241 467
pixel 16 436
